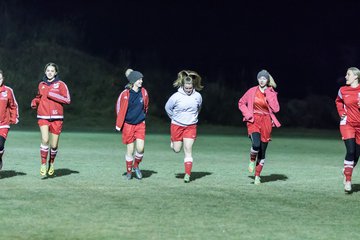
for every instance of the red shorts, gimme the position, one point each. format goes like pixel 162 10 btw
pixel 263 125
pixel 132 132
pixel 178 133
pixel 55 126
pixel 4 132
pixel 350 131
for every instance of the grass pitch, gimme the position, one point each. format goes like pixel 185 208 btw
pixel 301 196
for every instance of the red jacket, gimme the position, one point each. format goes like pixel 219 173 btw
pixel 50 100
pixel 9 113
pixel 246 104
pixel 122 106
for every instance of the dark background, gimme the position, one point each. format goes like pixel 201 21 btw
pixel 306 46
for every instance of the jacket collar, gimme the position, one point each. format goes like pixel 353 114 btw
pixel 46 80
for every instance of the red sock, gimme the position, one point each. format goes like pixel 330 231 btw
pixel 138 158
pixel 129 163
pixel 44 150
pixel 348 169
pixel 53 153
pixel 259 167
pixel 188 165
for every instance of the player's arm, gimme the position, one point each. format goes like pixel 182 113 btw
pixel 62 97
pixel 340 105
pixel 14 109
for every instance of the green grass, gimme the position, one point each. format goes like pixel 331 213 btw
pixel 301 198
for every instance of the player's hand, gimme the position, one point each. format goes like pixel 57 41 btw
pixel 34 103
pixel 14 122
pixel 343 116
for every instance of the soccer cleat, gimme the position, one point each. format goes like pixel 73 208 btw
pixel 128 176
pixel 187 178
pixel 251 167
pixel 257 180
pixel 347 186
pixel 43 170
pixel 138 173
pixel 51 169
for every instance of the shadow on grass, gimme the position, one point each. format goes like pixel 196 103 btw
pixel 60 173
pixel 271 178
pixel 355 188
pixel 10 173
pixel 145 173
pixel 194 175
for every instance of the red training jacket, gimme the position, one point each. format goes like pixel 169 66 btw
pixel 122 106
pixel 246 104
pixel 50 100
pixel 9 112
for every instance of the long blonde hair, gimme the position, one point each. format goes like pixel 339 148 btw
pixel 188 76
pixel 271 82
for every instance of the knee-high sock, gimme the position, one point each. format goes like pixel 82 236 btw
pixel 44 150
pixel 138 158
pixel 53 153
pixel 129 163
pixel 348 169
pixel 188 164
pixel 259 167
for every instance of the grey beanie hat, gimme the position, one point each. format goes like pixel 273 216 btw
pixel 133 76
pixel 263 73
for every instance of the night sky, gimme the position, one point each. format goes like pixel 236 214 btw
pixel 307 47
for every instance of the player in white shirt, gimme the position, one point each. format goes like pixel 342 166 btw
pixel 183 108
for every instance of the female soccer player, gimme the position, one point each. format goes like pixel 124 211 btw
pixel 258 106
pixel 9 113
pixel 348 104
pixel 131 108
pixel 183 108
pixel 52 95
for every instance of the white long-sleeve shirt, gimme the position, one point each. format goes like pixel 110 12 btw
pixel 184 109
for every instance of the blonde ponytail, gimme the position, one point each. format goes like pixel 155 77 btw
pixel 272 82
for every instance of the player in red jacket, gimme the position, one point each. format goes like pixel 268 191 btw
pixel 9 113
pixel 348 105
pixel 258 106
pixel 52 95
pixel 131 109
